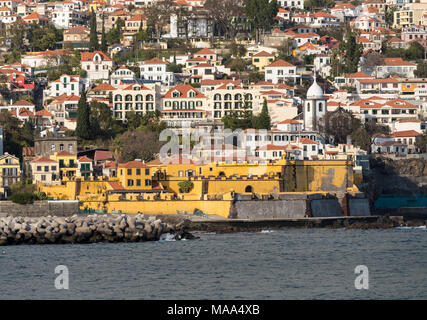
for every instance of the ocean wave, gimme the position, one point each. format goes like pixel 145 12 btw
pixel 412 228
pixel 266 231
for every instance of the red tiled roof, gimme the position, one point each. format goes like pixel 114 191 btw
pixel 115 185
pixel 263 54
pixel 156 61
pixel 405 133
pixel 84 159
pixel 101 155
pixel 307 141
pixel 43 159
pixel 64 153
pixel 184 89
pixel 104 87
pixel 280 63
pixel 88 56
pixel 132 164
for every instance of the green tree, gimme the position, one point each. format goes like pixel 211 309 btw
pixel 353 51
pixel 261 14
pixel 318 4
pixel 103 37
pixel 421 71
pixel 93 36
pixel 421 142
pixel 263 120
pixel 83 128
pixel 101 119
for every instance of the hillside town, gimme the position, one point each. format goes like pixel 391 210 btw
pixel 89 87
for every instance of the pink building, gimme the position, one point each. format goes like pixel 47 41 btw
pixel 414 33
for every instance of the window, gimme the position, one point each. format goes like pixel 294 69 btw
pixel 39 168
pixel 147 172
pixel 138 172
pixel 138 182
pixel 147 182
pixel 130 182
pixel 129 171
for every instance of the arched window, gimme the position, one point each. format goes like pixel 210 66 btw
pixel 238 96
pixel 217 97
pixel 249 189
pixel 320 107
pixel 227 96
pixel 221 174
pixel 248 96
pixel 118 98
pixel 128 97
pixel 308 106
pixel 149 97
pixel 138 97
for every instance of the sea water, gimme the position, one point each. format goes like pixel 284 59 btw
pixel 271 264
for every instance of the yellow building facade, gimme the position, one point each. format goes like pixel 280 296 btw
pixel 10 173
pixel 212 186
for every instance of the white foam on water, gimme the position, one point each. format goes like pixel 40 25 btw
pixel 167 237
pixel 412 228
pixel 267 231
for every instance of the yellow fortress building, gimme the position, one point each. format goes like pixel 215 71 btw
pixel 185 186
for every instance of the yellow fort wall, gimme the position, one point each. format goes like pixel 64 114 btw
pixel 213 186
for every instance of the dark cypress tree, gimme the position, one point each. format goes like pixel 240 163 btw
pixel 103 39
pixel 83 128
pixel 93 36
pixel 263 121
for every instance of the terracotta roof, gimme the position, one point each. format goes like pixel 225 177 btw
pixel 44 113
pixel 307 141
pixel 28 151
pixel 104 87
pixel 291 121
pixel 84 159
pixel 63 153
pixel 43 159
pixel 132 164
pixel 184 89
pixel 205 51
pixel 88 56
pixel 263 54
pixel 101 155
pixel 156 61
pixel 77 30
pixel 280 63
pixel 115 185
pixel 405 133
pixel 397 62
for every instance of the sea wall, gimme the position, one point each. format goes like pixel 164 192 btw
pixel 80 229
pixel 64 208
pixel 295 206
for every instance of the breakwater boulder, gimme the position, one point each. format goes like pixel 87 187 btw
pixel 81 229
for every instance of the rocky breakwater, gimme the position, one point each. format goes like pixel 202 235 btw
pixel 81 229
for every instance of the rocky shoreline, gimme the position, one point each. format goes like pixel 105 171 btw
pixel 138 228
pixel 84 229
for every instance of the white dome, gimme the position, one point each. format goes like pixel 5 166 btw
pixel 315 91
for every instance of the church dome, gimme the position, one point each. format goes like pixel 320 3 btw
pixel 315 91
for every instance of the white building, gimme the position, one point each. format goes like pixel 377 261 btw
pixel 66 84
pixel 156 69
pixel 120 74
pixel 97 65
pixel 314 106
pixel 280 71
